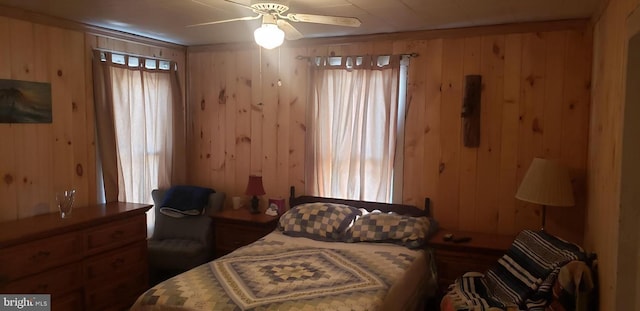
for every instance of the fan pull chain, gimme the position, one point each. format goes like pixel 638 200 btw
pixel 279 62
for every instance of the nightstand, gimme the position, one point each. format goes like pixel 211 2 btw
pixel 478 254
pixel 236 228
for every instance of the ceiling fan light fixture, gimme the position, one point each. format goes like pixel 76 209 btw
pixel 269 36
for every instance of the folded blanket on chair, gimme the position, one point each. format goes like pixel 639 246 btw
pixel 521 280
pixel 185 200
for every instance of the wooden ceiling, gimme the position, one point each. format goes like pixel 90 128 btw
pixel 166 19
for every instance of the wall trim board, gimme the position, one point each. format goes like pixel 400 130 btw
pixel 633 24
pixel 570 24
pixel 48 20
pixel 601 7
pixel 627 277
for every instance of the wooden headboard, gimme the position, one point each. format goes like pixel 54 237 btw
pixel 403 209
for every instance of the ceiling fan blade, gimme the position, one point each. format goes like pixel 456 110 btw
pixel 246 18
pixel 248 7
pixel 324 19
pixel 290 32
pixel 206 4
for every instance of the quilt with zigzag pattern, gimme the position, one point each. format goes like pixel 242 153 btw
pixel 279 272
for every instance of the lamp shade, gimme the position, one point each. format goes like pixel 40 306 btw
pixel 269 36
pixel 547 182
pixel 254 187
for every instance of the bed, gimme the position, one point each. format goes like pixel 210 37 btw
pixel 326 254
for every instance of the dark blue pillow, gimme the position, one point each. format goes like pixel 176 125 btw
pixel 186 198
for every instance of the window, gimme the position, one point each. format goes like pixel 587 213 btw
pixel 356 126
pixel 134 99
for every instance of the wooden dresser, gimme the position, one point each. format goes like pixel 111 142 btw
pixel 478 254
pixel 236 228
pixel 95 260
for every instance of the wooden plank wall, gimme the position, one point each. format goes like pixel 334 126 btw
pixel 247 115
pixel 38 159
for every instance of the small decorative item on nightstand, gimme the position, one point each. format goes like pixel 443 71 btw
pixel 278 205
pixel 255 188
pixel 237 202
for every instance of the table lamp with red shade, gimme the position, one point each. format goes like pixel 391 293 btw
pixel 254 188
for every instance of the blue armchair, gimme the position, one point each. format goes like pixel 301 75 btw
pixel 179 244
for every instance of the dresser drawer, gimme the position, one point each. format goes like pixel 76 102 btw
pixel 55 282
pixel 117 263
pixel 116 234
pixel 73 301
pixel 231 237
pixel 40 255
pixel 118 292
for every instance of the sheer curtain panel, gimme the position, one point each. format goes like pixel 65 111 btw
pixel 353 127
pixel 140 122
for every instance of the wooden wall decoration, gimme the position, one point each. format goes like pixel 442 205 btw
pixel 471 110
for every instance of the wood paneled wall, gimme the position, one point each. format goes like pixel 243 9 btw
pixel 247 116
pixel 38 159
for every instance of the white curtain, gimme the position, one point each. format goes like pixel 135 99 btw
pixel 142 106
pixel 135 112
pixel 353 126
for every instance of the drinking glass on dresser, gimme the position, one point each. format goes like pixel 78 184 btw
pixel 65 202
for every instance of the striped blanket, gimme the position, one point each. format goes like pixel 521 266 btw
pixel 521 280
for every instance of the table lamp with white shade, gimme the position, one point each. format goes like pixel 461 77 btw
pixel 546 183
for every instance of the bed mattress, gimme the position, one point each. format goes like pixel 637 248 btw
pixel 280 272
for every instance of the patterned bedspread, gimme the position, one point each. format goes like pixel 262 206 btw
pixel 279 272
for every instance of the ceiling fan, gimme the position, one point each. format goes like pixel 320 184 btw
pixel 275 23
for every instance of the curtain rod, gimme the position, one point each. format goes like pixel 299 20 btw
pixel 131 54
pixel 301 57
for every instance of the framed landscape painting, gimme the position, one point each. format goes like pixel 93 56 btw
pixel 25 102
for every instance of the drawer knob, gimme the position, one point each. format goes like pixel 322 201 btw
pixel 120 288
pixel 40 255
pixel 117 263
pixel 117 234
